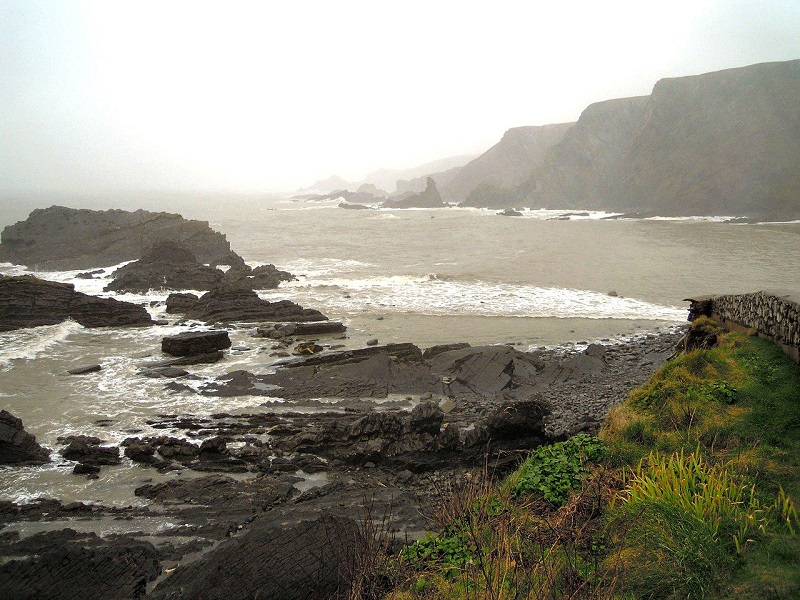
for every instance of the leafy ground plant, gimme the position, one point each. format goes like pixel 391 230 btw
pixel 555 470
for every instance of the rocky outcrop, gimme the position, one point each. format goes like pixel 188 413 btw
pixel 17 446
pixel 171 266
pixel 507 164
pixel 59 238
pixel 89 453
pixel 165 266
pixel 26 301
pixel 233 304
pixel 430 198
pixel 263 277
pixel 191 343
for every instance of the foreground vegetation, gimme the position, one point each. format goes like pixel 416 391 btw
pixel 687 493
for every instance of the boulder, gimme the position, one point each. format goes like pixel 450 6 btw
pixel 264 277
pixel 180 302
pixel 85 370
pixel 510 212
pixel 17 446
pixel 426 417
pixel 89 453
pixel 518 419
pixel 191 343
pixel 26 301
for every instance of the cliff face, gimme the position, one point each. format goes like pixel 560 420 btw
pixel 723 143
pixel 580 170
pixel 61 238
pixel 506 164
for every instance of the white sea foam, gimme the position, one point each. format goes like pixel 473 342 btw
pixel 429 295
pixel 27 344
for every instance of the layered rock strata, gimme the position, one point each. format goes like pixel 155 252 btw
pixel 27 301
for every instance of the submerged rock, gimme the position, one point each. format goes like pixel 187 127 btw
pixel 26 301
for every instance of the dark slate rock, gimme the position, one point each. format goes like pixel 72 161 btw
pixel 166 265
pixel 64 565
pixel 230 304
pixel 307 560
pixel 85 370
pixel 27 301
pixel 191 343
pixel 59 238
pixel 17 446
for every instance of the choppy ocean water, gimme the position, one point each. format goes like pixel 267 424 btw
pixel 422 276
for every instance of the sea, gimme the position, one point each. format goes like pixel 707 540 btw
pixel 429 276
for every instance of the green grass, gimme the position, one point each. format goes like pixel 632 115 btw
pixel 687 494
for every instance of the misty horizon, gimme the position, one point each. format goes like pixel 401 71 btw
pixel 108 99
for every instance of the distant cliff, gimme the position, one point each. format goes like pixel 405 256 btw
pixel 60 238
pixel 507 164
pixel 722 143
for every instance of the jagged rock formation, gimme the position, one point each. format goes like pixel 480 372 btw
pixel 229 304
pixel 430 198
pixel 59 238
pixel 505 165
pixel 17 446
pixel 721 143
pixel 172 266
pixel 165 266
pixel 26 301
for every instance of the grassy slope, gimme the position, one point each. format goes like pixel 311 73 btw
pixel 691 497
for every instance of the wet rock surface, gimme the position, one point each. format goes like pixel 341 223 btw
pixel 17 446
pixel 67 565
pixel 195 343
pixel 230 304
pixel 269 502
pixel 26 301
pixel 165 266
pixel 59 238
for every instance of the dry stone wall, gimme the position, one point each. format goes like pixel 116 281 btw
pixel 773 315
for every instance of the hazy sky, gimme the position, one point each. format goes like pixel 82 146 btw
pixel 112 96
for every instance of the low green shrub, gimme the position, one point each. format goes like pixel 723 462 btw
pixel 555 470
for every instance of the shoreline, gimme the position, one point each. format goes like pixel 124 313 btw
pixel 232 495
